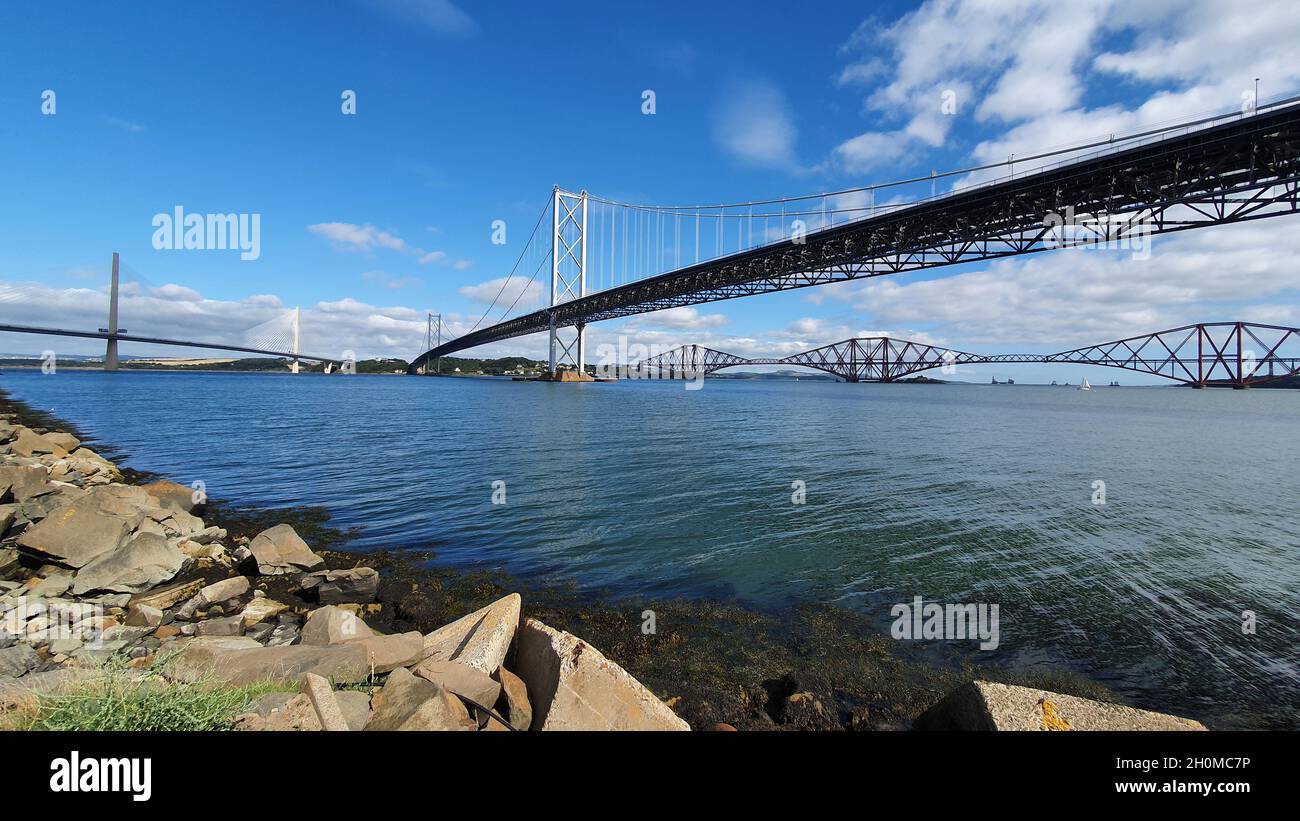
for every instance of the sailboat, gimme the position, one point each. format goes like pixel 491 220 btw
pixel 1084 386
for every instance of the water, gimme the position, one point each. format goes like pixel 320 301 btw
pixel 975 494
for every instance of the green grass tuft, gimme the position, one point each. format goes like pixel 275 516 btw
pixel 121 699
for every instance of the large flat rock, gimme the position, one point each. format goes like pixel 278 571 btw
pixel 80 531
pixel 480 639
pixel 279 550
pixel 984 705
pixel 572 686
pixel 411 703
pixel 240 664
pixel 145 561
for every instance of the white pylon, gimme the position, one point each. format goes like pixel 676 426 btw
pixel 568 273
pixel 297 327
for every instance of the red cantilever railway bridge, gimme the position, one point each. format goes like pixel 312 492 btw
pixel 1229 354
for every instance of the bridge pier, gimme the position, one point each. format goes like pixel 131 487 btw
pixel 110 350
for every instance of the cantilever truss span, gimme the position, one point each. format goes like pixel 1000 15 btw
pixel 1230 354
pixel 1240 170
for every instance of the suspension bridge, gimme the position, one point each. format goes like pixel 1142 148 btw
pixel 607 259
pixel 278 337
pixel 1214 354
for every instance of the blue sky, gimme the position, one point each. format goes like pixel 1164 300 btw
pixel 470 112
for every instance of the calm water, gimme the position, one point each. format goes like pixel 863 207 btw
pixel 955 493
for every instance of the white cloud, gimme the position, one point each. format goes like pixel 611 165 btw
pixel 1084 296
pixel 441 16
pixel 348 236
pixel 752 123
pixel 683 318
pixel 175 312
pixel 515 288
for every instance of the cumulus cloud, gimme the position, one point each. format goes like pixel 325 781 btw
pixel 510 289
pixel 177 312
pixel 1023 68
pixel 349 236
pixel 752 123
pixel 1082 296
pixel 441 16
pixel 684 318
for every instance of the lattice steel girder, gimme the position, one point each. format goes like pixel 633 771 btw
pixel 1242 170
pixel 1232 353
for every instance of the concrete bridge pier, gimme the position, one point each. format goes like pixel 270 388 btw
pixel 110 351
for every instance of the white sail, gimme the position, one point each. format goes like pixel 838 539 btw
pixel 1084 386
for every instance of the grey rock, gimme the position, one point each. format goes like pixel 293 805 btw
pixel 358 585
pixel 983 705
pixel 332 625
pixel 224 590
pixel 411 703
pixel 283 635
pixel 342 664
pixel 480 639
pixel 52 586
pixel 9 562
pixel 18 660
pixel 460 679
pixel 355 706
pixel 228 626
pixel 145 561
pixel 77 533
pixel 572 686
pixel 279 550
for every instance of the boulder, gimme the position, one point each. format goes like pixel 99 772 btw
pixel 332 625
pixel 215 593
pixel 18 660
pixel 984 705
pixel 358 584
pixel 9 559
pixel 225 626
pixel 355 706
pixel 64 440
pixel 29 443
pixel 279 550
pixel 142 615
pixel 145 561
pixel 385 653
pixel 280 712
pixel 411 703
pixel 15 477
pixel 86 528
pixel 172 496
pixel 260 609
pixel 251 663
pixel 8 515
pixel 165 598
pixel 318 690
pixel 572 686
pixel 480 639
pixel 468 682
pixel 514 700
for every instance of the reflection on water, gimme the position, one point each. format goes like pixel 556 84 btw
pixel 975 494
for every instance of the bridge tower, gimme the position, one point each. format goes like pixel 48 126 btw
pixel 568 276
pixel 297 328
pixel 110 352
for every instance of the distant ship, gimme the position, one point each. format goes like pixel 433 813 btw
pixel 1084 386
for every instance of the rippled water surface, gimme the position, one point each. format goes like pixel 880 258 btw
pixel 956 493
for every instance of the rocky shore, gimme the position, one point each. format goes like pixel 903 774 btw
pixel 98 572
pixel 112 583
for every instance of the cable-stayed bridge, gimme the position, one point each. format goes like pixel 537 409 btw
pixel 1213 354
pixel 606 259
pixel 277 337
